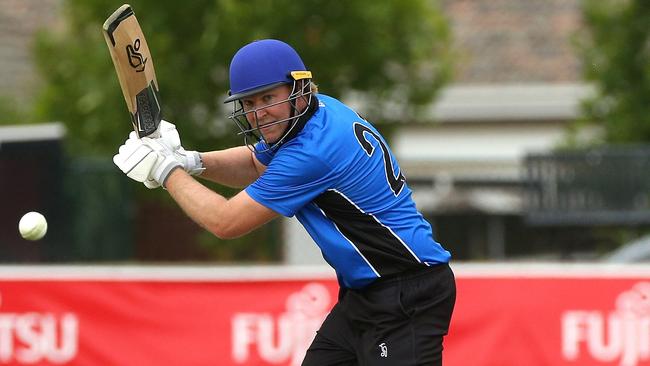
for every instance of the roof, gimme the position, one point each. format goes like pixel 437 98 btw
pixel 35 132
pixel 515 41
pixel 503 102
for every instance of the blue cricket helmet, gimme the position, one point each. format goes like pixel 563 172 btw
pixel 260 66
pixel 263 65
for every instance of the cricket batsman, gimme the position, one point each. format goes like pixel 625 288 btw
pixel 308 155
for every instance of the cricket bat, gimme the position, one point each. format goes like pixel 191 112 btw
pixel 135 71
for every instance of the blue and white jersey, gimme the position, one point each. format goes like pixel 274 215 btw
pixel 341 181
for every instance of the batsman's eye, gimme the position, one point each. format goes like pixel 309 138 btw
pixel 248 105
pixel 267 99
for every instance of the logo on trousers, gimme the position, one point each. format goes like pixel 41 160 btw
pixel 384 350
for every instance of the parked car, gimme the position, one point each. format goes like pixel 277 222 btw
pixel 635 251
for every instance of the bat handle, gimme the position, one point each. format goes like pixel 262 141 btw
pixel 156 134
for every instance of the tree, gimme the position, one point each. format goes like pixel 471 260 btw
pixel 615 47
pixel 386 50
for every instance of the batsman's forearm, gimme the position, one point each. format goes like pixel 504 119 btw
pixel 204 206
pixel 232 167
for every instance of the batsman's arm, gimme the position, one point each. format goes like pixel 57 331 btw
pixel 225 218
pixel 235 167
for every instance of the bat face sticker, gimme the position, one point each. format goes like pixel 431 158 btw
pixel 136 59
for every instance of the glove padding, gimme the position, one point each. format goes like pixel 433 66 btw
pixel 189 160
pixel 135 159
pixel 146 160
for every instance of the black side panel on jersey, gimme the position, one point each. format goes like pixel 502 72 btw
pixel 377 244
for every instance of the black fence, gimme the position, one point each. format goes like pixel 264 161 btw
pixel 87 202
pixel 604 186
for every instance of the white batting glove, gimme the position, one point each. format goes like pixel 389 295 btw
pixel 189 160
pixel 135 159
pixel 145 160
pixel 165 162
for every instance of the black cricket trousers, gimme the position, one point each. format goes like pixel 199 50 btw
pixel 395 321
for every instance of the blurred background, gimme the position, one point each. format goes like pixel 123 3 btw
pixel 521 126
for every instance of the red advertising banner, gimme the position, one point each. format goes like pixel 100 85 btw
pixel 505 315
pixel 550 321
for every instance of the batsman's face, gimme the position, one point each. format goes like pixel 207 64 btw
pixel 267 107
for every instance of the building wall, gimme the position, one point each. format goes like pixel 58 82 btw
pixel 514 41
pixel 19 21
pixel 517 87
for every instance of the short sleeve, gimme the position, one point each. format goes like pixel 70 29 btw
pixel 292 180
pixel 262 153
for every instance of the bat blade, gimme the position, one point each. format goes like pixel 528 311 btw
pixel 135 71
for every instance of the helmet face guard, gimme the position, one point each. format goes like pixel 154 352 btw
pixel 247 119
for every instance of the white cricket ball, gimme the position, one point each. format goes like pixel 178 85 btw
pixel 32 226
